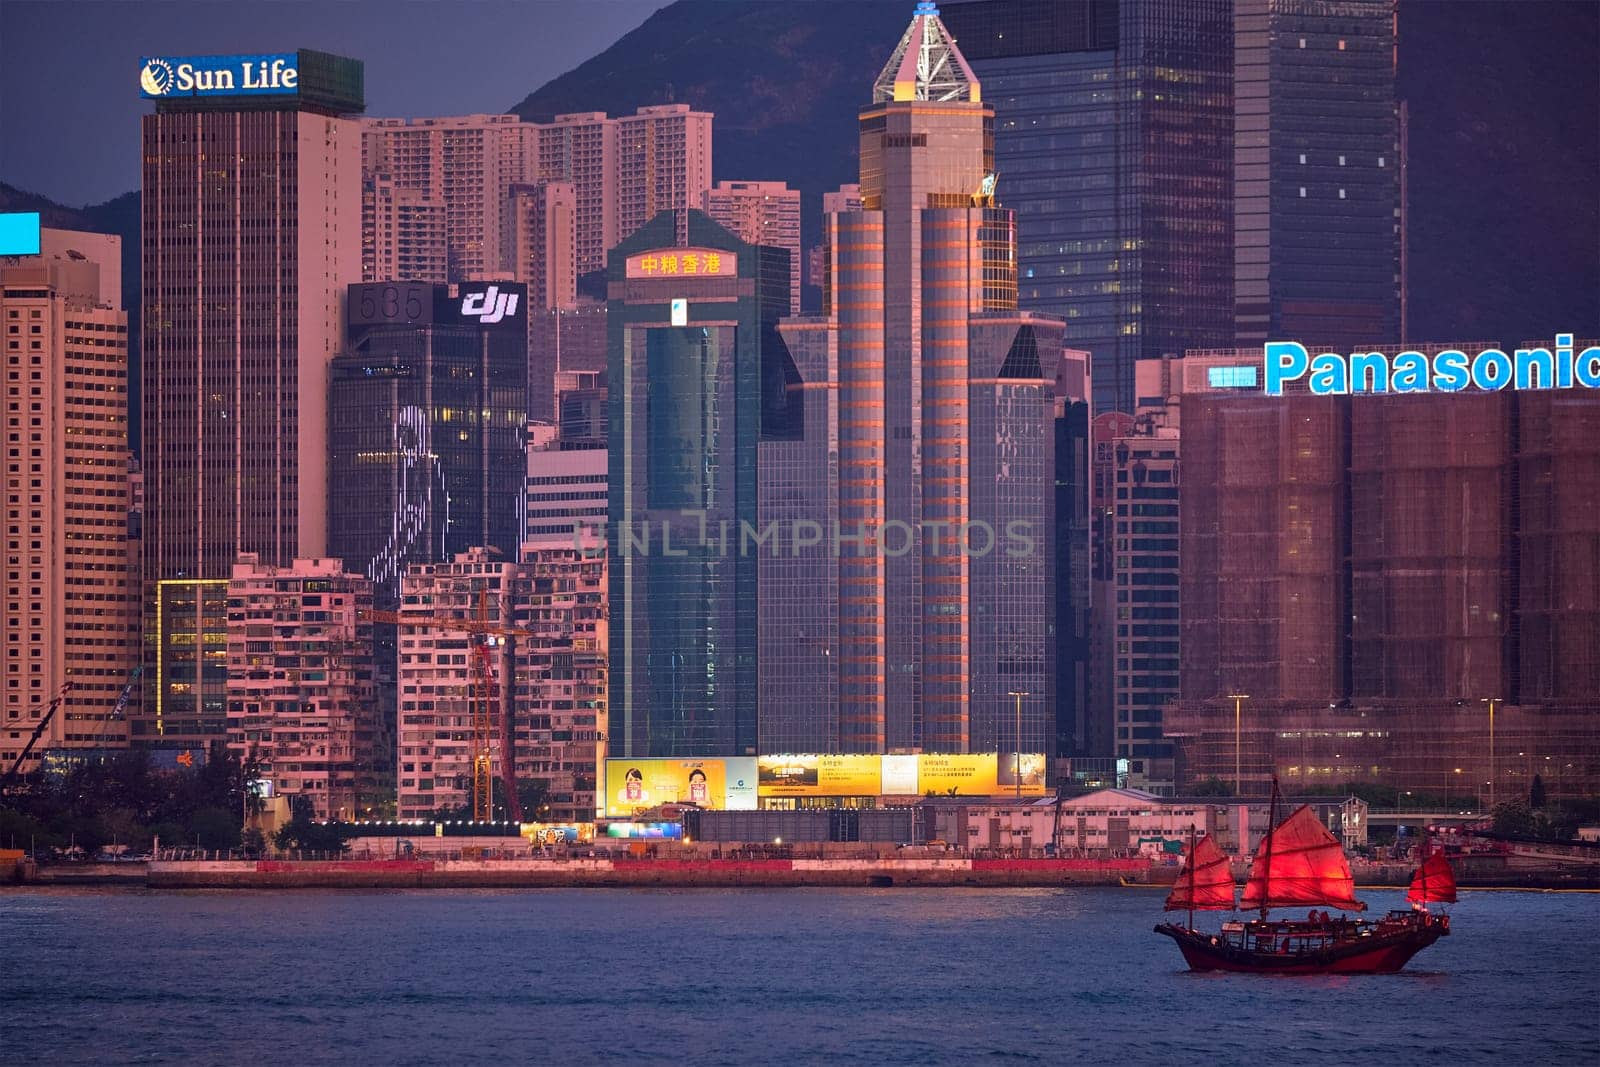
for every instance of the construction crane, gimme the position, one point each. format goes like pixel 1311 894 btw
pixel 484 684
pixel 49 710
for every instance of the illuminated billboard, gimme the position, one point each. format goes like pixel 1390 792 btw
pixel 683 262
pixel 161 76
pixel 979 774
pixel 656 831
pixel 632 785
pixel 819 776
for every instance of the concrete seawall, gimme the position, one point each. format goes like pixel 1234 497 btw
pixel 534 873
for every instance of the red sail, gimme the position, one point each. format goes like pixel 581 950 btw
pixel 1206 883
pixel 1306 867
pixel 1433 882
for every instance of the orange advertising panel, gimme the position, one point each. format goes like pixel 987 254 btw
pixel 812 775
pixel 964 775
pixel 683 263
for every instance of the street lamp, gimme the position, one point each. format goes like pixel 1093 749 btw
pixel 1016 766
pixel 1238 702
pixel 1491 701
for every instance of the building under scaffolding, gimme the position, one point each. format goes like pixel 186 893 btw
pixel 1372 570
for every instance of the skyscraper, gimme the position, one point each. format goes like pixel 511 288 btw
pixel 945 442
pixel 1113 142
pixel 428 409
pixel 252 209
pixel 540 242
pixel 69 594
pixel 1316 200
pixel 762 213
pixel 693 320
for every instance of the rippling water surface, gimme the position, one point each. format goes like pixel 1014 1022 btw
pixel 770 976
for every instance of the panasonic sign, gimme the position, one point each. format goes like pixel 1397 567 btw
pixel 1450 371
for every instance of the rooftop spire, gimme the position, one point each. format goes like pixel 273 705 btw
pixel 926 65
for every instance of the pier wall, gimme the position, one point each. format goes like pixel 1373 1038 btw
pixel 534 873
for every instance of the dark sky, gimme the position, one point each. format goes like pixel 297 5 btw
pixel 69 94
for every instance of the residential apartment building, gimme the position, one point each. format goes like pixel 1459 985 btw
pixel 467 163
pixel 69 591
pixel 540 242
pixel 437 671
pixel 301 692
pixel 403 235
pixel 560 597
pixel 762 213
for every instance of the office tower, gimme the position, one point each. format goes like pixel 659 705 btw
pixel 69 595
pixel 1145 573
pixel 566 496
pixel 1113 142
pixel 559 596
pixel 466 162
pixel 581 150
pixel 1368 571
pixel 762 213
pixel 845 198
pixel 301 691
pixel 663 163
pixel 428 408
pixel 945 449
pixel 583 415
pixel 562 339
pixel 1316 202
pixel 402 233
pixel 1134 611
pixel 438 671
pixel 798 574
pixel 693 317
pixel 1072 444
pixel 540 245
pixel 251 231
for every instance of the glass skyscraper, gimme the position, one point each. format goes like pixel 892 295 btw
pixel 693 317
pixel 1113 144
pixel 1317 173
pixel 426 431
pixel 929 610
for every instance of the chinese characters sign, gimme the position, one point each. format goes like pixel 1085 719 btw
pixel 684 263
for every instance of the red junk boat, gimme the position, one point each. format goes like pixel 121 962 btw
pixel 1300 864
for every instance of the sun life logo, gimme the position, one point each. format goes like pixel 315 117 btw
pixel 156 77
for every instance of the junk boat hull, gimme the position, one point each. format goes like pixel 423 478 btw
pixel 1300 948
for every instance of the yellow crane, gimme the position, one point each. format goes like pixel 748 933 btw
pixel 483 700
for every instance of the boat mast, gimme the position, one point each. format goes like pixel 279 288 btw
pixel 1191 876
pixel 1266 855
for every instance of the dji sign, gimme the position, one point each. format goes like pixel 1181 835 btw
pixel 489 305
pixel 492 305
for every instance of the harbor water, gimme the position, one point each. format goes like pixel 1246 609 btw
pixel 755 976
